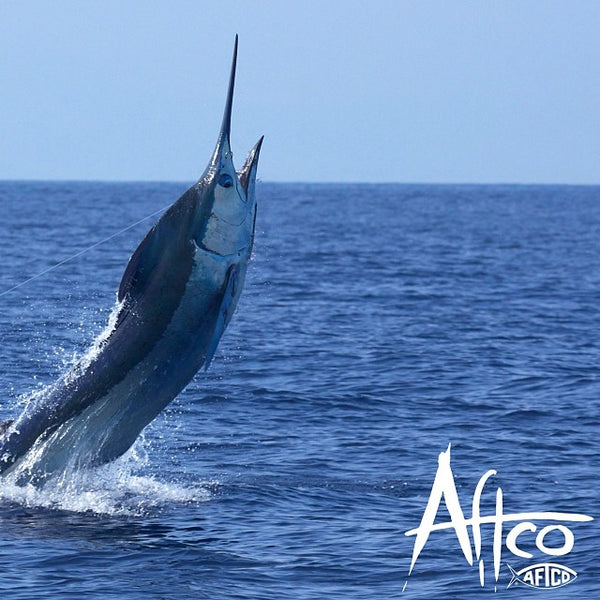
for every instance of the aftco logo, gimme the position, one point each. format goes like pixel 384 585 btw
pixel 542 575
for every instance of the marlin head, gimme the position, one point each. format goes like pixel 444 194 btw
pixel 231 192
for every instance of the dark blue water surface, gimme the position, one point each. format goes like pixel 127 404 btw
pixel 379 324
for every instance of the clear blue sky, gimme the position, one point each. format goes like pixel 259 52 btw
pixel 476 91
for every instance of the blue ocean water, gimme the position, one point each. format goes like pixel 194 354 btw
pixel 379 324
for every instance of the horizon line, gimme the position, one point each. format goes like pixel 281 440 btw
pixel 299 182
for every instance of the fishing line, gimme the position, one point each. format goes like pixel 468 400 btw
pixel 81 252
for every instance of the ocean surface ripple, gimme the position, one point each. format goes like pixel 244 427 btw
pixel 379 324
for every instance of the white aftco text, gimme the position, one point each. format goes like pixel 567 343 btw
pixel 525 523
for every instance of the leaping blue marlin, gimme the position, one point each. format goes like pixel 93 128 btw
pixel 177 295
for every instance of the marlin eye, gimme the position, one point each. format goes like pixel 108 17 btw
pixel 225 180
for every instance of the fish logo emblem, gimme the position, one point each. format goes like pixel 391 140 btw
pixel 543 576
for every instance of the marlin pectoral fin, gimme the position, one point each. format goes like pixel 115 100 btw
pixel 147 256
pixel 155 248
pixel 137 267
pixel 226 311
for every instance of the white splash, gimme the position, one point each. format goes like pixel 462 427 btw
pixel 75 363
pixel 92 352
pixel 116 488
pixel 112 489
